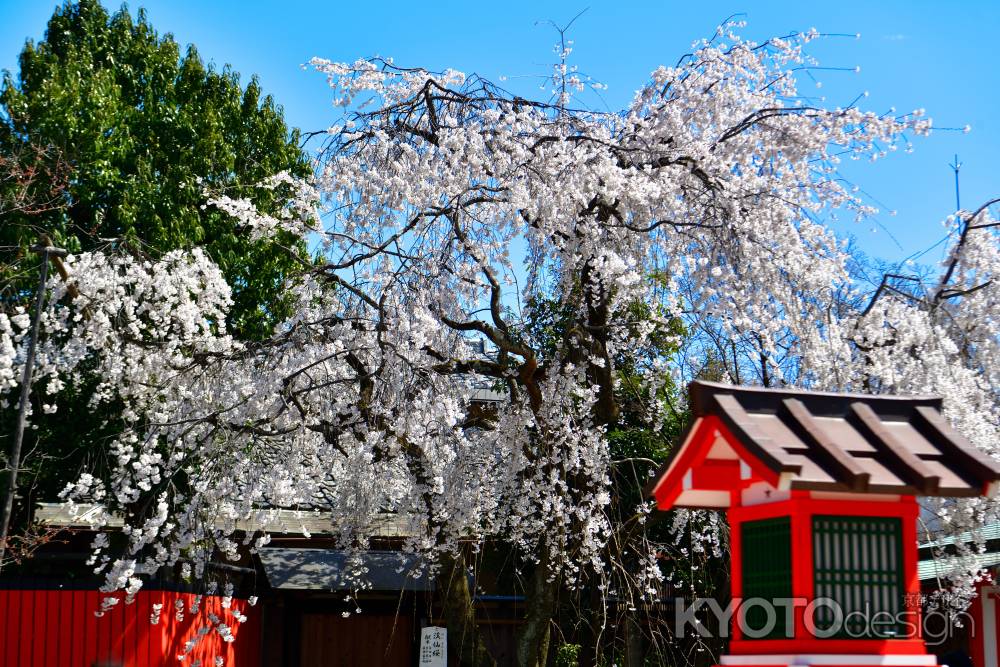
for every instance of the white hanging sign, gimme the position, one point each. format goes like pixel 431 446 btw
pixel 433 647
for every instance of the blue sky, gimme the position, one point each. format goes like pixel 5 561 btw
pixel 912 54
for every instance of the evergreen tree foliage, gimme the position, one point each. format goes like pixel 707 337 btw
pixel 147 129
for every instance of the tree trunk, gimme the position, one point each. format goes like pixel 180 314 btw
pixel 635 651
pixel 593 630
pixel 534 636
pixel 464 642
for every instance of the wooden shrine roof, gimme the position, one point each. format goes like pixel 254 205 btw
pixel 821 441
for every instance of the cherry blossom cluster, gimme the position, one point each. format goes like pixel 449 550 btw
pixel 448 212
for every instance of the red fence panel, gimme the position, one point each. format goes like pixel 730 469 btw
pixel 58 628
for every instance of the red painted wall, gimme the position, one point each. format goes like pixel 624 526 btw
pixel 58 628
pixel 801 507
pixel 978 631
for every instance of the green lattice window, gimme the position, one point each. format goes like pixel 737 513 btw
pixel 767 572
pixel 858 564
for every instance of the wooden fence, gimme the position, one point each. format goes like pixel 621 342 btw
pixel 58 628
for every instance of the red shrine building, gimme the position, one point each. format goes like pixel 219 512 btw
pixel 820 493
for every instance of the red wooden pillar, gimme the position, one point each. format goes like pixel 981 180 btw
pixel 736 559
pixel 803 587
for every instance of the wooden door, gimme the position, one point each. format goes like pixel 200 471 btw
pixel 360 640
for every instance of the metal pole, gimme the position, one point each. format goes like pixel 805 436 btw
pixel 22 410
pixel 956 166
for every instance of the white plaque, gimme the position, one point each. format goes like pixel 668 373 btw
pixel 433 647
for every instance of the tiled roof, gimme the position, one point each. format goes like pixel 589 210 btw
pixel 932 566
pixel 861 443
pixel 332 570
pixel 286 522
pixel 935 568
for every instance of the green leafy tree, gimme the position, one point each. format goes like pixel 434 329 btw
pixel 146 130
pixel 143 129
